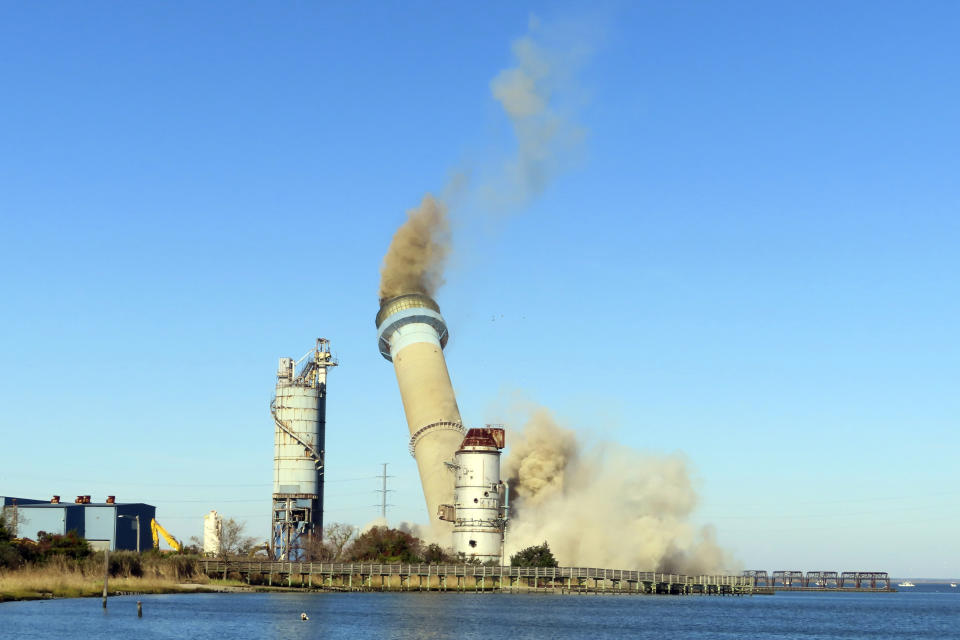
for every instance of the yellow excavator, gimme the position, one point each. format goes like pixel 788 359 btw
pixel 155 528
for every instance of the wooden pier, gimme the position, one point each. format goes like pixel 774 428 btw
pixel 480 579
pixel 839 581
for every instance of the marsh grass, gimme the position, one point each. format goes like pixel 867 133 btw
pixel 129 572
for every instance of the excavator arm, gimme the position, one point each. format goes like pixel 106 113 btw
pixel 155 529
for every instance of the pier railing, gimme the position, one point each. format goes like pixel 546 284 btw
pixel 462 577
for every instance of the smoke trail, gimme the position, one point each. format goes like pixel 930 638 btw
pixel 528 92
pixel 604 506
pixel 418 252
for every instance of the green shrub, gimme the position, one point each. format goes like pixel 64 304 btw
pixel 383 544
pixel 68 545
pixel 9 554
pixel 535 556
pixel 126 564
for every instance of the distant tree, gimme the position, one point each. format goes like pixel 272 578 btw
pixel 383 544
pixel 195 547
pixel 14 553
pixel 336 537
pixel 69 545
pixel 328 547
pixel 233 540
pixel 463 558
pixel 535 556
pixel 9 554
pixel 5 534
pixel 435 554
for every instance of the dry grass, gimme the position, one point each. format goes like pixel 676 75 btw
pixel 61 578
pixel 31 583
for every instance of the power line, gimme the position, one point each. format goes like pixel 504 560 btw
pixel 265 514
pixel 79 481
pixel 250 500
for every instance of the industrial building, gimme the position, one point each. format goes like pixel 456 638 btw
pixel 110 524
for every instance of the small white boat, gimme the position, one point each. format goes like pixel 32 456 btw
pixel 906 583
pixel 953 584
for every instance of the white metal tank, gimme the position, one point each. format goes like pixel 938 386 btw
pixel 212 528
pixel 297 444
pixel 299 416
pixel 479 518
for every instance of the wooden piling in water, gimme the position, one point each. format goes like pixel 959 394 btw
pixel 106 573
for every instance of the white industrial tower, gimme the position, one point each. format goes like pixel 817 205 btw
pixel 480 502
pixel 299 415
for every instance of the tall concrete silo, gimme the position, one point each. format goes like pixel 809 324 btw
pixel 299 415
pixel 411 333
pixel 212 531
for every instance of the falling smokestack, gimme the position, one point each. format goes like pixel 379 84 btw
pixel 412 335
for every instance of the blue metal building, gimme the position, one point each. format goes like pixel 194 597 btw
pixel 108 524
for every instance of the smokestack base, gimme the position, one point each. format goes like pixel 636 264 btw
pixel 409 308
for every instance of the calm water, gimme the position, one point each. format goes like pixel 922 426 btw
pixel 921 613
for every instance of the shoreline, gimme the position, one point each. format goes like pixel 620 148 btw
pixel 96 591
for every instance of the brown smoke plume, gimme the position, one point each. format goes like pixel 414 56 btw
pixel 545 137
pixel 604 506
pixel 418 252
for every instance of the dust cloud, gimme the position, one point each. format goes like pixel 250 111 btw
pixel 418 252
pixel 604 505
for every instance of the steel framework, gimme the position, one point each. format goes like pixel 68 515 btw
pixel 825 580
pixel 860 577
pixel 760 577
pixel 822 579
pixel 787 578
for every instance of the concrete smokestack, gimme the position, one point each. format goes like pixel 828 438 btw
pixel 411 334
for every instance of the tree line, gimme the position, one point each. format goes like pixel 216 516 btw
pixel 385 545
pixel 14 553
pixel 340 543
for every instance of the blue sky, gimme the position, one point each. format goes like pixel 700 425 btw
pixel 752 259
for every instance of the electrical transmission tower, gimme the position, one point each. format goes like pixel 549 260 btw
pixel 383 494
